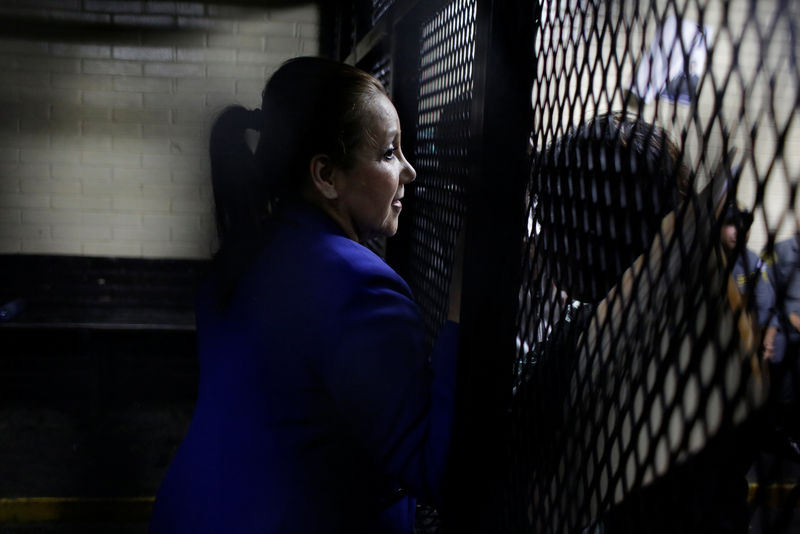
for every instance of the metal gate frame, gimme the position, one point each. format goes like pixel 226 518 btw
pixel 501 115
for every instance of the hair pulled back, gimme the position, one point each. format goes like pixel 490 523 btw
pixel 602 191
pixel 309 106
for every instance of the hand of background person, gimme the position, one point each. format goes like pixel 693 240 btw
pixel 769 343
pixel 629 326
pixel 794 319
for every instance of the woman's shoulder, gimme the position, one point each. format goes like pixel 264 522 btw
pixel 323 246
pixel 302 259
pixel 358 263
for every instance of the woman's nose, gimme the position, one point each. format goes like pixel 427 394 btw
pixel 408 173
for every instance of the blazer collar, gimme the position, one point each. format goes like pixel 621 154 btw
pixel 306 215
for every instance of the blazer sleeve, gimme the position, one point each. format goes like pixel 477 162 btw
pixel 395 403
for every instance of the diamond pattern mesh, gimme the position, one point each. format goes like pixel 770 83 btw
pixel 442 130
pixel 639 381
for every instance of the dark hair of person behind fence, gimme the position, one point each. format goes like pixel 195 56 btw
pixel 603 189
pixel 309 106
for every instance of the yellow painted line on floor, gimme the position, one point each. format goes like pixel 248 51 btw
pixel 19 510
pixel 16 510
pixel 775 496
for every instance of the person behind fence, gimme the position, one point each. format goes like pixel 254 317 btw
pixel 582 241
pixel 749 272
pixel 585 242
pixel 784 361
pixel 317 409
pixel 581 244
pixel 604 190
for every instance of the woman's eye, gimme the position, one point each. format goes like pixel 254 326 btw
pixel 389 154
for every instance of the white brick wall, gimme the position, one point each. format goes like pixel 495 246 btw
pixel 103 142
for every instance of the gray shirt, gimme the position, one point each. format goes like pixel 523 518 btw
pixel 752 279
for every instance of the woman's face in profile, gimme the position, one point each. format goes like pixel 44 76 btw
pixel 370 192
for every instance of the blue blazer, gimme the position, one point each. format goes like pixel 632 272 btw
pixel 316 402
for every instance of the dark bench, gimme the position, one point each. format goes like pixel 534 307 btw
pixel 99 293
pixel 98 377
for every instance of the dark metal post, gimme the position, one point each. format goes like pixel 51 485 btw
pixel 501 117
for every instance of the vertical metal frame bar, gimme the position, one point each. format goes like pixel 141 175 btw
pixel 501 120
pixel 500 166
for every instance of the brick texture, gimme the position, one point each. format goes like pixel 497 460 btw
pixel 104 142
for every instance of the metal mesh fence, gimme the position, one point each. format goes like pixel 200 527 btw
pixel 641 398
pixel 440 154
pixel 655 379
pixel 442 135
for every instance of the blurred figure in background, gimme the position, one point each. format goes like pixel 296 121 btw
pixel 621 233
pixel 749 272
pixel 784 264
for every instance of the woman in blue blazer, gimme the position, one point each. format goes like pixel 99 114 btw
pixel 317 408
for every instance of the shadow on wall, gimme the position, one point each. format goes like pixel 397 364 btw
pixel 104 148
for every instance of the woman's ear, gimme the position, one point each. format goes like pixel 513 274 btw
pixel 322 169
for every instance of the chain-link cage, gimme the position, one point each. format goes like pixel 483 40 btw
pixel 664 171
